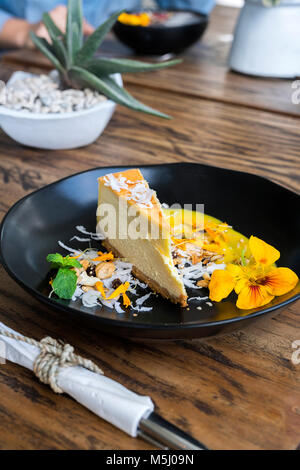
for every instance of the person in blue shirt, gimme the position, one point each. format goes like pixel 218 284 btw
pixel 19 17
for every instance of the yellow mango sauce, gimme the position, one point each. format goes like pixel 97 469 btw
pixel 228 242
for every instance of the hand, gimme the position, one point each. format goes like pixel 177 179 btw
pixel 15 32
pixel 59 16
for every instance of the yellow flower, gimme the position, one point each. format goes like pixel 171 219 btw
pixel 139 19
pixel 144 19
pixel 256 283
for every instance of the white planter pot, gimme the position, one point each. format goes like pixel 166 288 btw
pixel 267 40
pixel 57 131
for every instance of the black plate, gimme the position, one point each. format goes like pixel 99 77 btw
pixel 253 205
pixel 160 40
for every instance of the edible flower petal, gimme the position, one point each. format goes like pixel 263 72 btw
pixel 221 284
pixel 262 252
pixel 100 288
pixel 279 281
pixel 104 256
pixel 119 290
pixel 253 296
pixel 126 300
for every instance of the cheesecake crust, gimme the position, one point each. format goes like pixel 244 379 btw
pixel 182 300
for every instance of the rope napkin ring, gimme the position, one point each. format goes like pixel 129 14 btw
pixel 53 356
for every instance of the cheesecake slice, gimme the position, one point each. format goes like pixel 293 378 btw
pixel 130 217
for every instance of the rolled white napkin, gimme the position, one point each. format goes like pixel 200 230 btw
pixel 103 396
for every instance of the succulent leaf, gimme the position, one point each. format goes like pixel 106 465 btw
pixel 94 41
pixel 47 50
pixel 103 66
pixel 52 28
pixel 74 37
pixel 60 51
pixel 112 90
pixel 56 36
pixel 76 40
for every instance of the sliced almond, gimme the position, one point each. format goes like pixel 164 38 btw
pixel 87 288
pixel 216 257
pixel 84 263
pixel 105 270
pixel 203 283
pixel 206 276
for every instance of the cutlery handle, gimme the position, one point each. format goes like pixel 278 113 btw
pixel 165 435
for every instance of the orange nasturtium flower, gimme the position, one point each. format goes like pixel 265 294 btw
pixel 256 283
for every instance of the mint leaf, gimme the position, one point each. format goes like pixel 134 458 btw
pixel 56 260
pixel 64 284
pixel 71 263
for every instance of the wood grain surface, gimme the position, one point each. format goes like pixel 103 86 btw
pixel 239 391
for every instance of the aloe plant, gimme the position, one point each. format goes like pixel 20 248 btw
pixel 76 62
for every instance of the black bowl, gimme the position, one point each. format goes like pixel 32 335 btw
pixel 160 40
pixel 253 205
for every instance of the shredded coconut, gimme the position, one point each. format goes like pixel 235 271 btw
pixel 78 292
pixel 139 193
pixel 68 248
pixel 197 298
pixel 116 184
pixel 142 195
pixel 79 239
pixel 193 272
pixel 94 236
pixel 90 298
pixel 118 307
pixel 138 308
pixel 143 299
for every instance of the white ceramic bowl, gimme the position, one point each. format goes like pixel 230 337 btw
pixel 266 40
pixel 57 131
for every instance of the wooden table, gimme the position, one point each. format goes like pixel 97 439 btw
pixel 239 391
